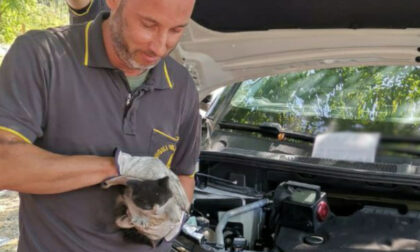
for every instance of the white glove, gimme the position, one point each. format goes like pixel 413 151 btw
pixel 156 223
pixel 148 168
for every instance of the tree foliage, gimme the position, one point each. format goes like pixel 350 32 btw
pixel 19 16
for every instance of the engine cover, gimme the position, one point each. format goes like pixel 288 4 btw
pixel 370 229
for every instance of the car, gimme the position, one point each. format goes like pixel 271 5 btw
pixel 313 144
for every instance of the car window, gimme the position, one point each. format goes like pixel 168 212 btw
pixel 373 98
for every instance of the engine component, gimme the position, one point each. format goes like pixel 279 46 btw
pixel 313 239
pixel 239 244
pixel 203 222
pixel 300 206
pixel 192 229
pixel 372 228
pixel 235 212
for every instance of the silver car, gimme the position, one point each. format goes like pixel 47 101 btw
pixel 313 145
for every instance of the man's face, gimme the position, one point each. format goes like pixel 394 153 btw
pixel 144 31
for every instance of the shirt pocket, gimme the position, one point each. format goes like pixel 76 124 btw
pixel 163 146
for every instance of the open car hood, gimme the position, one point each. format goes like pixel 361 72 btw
pixel 245 50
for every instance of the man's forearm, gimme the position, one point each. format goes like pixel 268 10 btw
pixel 29 169
pixel 78 4
pixel 188 183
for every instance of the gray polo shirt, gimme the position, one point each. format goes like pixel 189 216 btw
pixel 59 91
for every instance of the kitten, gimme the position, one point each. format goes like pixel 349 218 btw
pixel 142 195
pixel 148 193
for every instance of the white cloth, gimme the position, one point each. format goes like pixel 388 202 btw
pixel 155 224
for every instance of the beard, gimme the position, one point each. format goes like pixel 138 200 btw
pixel 120 45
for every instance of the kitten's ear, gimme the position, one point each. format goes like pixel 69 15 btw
pixel 124 222
pixel 164 182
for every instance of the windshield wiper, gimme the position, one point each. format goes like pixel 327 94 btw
pixel 399 139
pixel 274 129
pixel 270 129
pixel 400 150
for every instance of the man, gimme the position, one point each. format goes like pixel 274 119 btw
pixel 85 10
pixel 70 96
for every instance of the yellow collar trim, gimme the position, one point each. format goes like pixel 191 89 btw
pixel 165 69
pixel 14 132
pixel 84 13
pixel 87 42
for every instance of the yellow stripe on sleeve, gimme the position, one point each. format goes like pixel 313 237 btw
pixel 14 132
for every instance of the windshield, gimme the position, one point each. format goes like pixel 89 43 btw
pixel 382 99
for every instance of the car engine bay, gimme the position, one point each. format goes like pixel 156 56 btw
pixel 295 215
